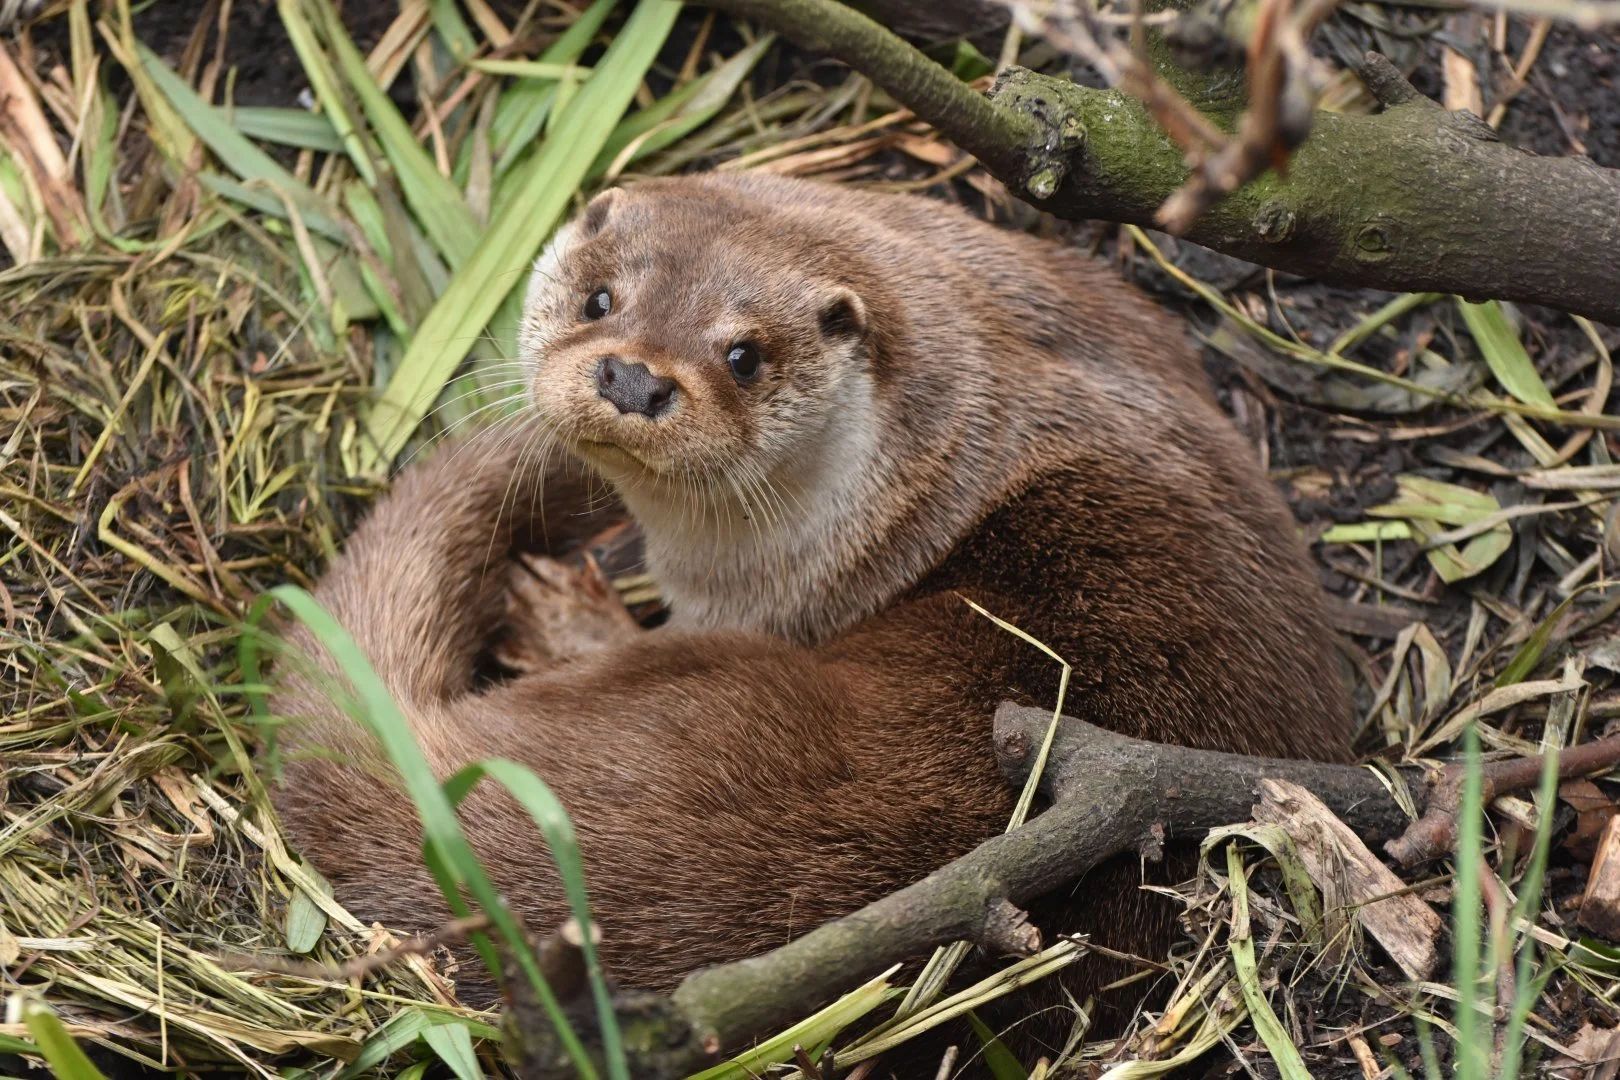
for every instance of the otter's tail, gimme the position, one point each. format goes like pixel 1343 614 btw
pixel 420 584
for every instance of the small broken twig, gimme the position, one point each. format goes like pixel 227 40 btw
pixel 1432 835
pixel 361 966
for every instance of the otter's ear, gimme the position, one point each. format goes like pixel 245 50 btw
pixel 596 213
pixel 843 314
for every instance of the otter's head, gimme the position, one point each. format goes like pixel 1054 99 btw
pixel 679 337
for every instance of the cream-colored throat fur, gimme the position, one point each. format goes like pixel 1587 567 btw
pixel 779 556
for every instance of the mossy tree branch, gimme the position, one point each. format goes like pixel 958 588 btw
pixel 1412 199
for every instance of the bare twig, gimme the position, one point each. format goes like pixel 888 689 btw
pixel 1111 795
pixel 361 966
pixel 1007 931
pixel 1385 81
pixel 1431 836
pixel 562 960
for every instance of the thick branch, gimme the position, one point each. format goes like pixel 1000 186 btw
pixel 1412 199
pixel 1111 794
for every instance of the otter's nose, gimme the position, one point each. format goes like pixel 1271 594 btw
pixel 632 388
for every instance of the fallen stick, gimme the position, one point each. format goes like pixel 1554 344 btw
pixel 1110 794
pixel 1432 834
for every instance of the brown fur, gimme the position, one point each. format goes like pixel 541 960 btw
pixel 983 416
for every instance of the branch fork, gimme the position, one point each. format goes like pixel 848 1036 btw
pixel 1408 200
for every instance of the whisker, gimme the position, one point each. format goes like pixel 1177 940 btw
pixel 440 436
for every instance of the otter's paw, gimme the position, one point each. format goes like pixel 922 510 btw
pixel 557 611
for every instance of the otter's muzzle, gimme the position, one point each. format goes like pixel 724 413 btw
pixel 632 388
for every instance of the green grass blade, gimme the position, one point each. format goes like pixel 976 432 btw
pixel 1031 969
pixel 1529 654
pixel 1296 877
pixel 448 853
pixel 679 113
pixel 1527 988
pixel 10 1044
pixel 1284 1054
pixel 523 108
pixel 1467 928
pixel 814 1030
pixel 228 144
pixel 530 69
pixel 396 1033
pixel 289 127
pixel 324 222
pixel 515 235
pixel 323 81
pixel 56 1046
pixel 537 799
pixel 453 1045
pixel 1431 1057
pixel 458 37
pixel 437 204
pixel 1370 325
pixel 368 215
pixel 305 923
pixel 997 1058
pixel 537 99
pixel 1504 353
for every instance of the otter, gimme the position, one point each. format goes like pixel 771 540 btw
pixel 835 416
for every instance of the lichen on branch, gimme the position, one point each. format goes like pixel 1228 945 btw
pixel 1412 199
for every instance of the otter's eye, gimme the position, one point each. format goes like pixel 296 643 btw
pixel 744 361
pixel 598 304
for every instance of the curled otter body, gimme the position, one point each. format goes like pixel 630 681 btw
pixel 926 409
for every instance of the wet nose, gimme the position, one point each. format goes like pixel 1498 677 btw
pixel 632 388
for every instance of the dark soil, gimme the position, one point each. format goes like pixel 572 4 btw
pixel 1572 104
pixel 267 71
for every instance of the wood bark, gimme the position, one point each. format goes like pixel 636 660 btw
pixel 1110 794
pixel 1412 199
